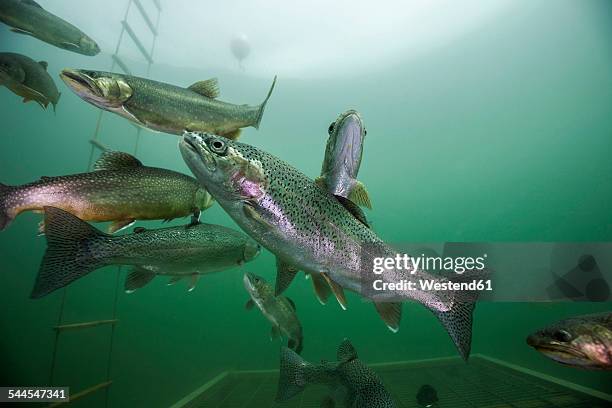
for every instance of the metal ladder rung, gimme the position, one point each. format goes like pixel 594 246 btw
pixel 132 34
pixel 85 325
pixel 121 64
pixel 82 394
pixel 99 145
pixel 146 17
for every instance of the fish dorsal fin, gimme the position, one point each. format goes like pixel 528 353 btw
pixel 208 88
pixel 43 64
pixel 292 303
pixel 346 352
pixel 284 276
pixel 31 3
pixel 111 160
pixel 354 210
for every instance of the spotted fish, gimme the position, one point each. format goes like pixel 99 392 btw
pixel 279 310
pixel 309 230
pixel 163 107
pixel 352 384
pixel 75 248
pixel 582 341
pixel 120 190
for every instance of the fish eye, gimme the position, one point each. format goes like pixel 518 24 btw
pixel 562 335
pixel 331 128
pixel 218 146
pixel 365 132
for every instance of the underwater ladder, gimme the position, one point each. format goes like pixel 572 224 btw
pixel 96 144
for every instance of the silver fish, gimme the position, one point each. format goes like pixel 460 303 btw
pixel 29 18
pixel 75 248
pixel 342 160
pixel 279 310
pixel 309 230
pixel 581 341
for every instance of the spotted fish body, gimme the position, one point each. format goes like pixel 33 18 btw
pixel 75 249
pixel 29 18
pixel 164 107
pixel 352 384
pixel 343 154
pixel 278 310
pixel 309 230
pixel 120 190
pixel 28 79
pixel 582 341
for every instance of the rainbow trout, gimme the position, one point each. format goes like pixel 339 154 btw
pixel 29 18
pixel 279 310
pixel 163 107
pixel 583 341
pixel 352 383
pixel 28 79
pixel 343 154
pixel 308 229
pixel 120 190
pixel 75 248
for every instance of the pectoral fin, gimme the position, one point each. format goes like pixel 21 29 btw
pixel 20 31
pixel 336 289
pixel 249 304
pixel 359 195
pixel 138 278
pixel 117 226
pixel 391 313
pixel 354 210
pixel 320 181
pixel 285 273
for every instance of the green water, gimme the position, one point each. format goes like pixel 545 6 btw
pixel 504 135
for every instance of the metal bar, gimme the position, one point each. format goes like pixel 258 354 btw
pixel 158 5
pixel 121 64
pixel 85 325
pixel 82 394
pixel 146 17
pixel 132 34
pixel 112 336
pixel 99 145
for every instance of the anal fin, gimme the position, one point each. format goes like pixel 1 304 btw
pixel 336 289
pixel 391 313
pixel 137 278
pixel 321 288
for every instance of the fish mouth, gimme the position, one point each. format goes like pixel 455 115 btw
pixel 350 134
pixel 195 151
pixel 248 280
pixel 555 348
pixel 81 83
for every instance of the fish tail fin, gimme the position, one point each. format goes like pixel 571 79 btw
pixel 262 107
pixel 68 256
pixel 5 217
pixel 292 377
pixel 457 320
